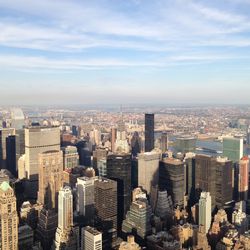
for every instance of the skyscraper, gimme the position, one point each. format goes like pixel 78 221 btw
pixel 64 233
pixel 8 218
pixel 4 133
pixel 85 197
pixel 205 210
pixel 70 157
pixel 17 118
pixel 233 148
pixel 171 178
pixel 148 169
pixel 11 154
pixel 205 175
pixel 164 142
pixel 149 132
pixel 243 178
pixel 91 239
pixel 39 140
pixel 106 208
pixel 50 177
pixel 223 182
pixel 185 144
pixel 119 169
pixel 138 219
pixel 113 138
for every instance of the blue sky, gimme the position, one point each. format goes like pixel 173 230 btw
pixel 117 51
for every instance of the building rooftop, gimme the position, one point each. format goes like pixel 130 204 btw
pixel 92 230
pixel 173 161
pixel 5 186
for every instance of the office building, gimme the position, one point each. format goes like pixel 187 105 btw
pixel 233 148
pixel 102 167
pixel 84 153
pixel 148 169
pixel 171 178
pixel 205 210
pixel 106 208
pixel 39 140
pixel 135 144
pixel 85 197
pixel 189 161
pixel 164 205
pixel 11 154
pixel 98 154
pixel 164 142
pixel 4 133
pixel 46 227
pixel 243 178
pixel 70 157
pixel 223 182
pixel 8 218
pixel 149 132
pixel 205 175
pixel 113 138
pixel 64 234
pixel 50 177
pixel 185 144
pixel 138 219
pixel 17 118
pixel 91 239
pixel 119 169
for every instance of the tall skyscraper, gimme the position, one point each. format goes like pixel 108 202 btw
pixel 4 133
pixel 243 178
pixel 233 148
pixel 205 210
pixel 11 154
pixel 185 144
pixel 205 175
pixel 64 234
pixel 223 182
pixel 113 138
pixel 119 169
pixel 138 219
pixel 50 177
pixel 171 178
pixel 70 157
pixel 148 170
pixel 84 153
pixel 8 218
pixel 39 140
pixel 106 208
pixel 91 239
pixel 149 132
pixel 85 197
pixel 164 142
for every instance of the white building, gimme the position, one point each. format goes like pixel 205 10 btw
pixel 205 205
pixel 91 239
pixel 85 196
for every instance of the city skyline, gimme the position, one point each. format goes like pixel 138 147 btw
pixel 85 52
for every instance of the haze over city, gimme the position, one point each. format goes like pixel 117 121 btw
pixel 87 52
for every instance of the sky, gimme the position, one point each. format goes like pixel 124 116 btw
pixel 124 51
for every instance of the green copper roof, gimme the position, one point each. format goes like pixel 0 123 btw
pixel 5 186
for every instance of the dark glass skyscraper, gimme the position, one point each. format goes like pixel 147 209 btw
pixel 11 154
pixel 119 169
pixel 149 132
